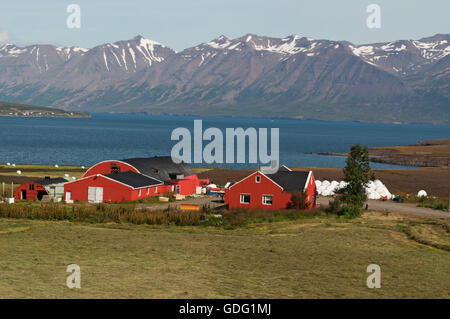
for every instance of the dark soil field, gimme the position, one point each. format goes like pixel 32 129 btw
pixel 431 153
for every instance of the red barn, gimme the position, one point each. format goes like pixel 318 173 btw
pixel 271 191
pixel 132 179
pixel 53 187
pixel 115 187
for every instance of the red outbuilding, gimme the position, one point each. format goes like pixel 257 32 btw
pixel 271 191
pixel 52 187
pixel 132 179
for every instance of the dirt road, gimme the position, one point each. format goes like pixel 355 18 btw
pixel 397 207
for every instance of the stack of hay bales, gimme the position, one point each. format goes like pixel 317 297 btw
pixel 374 189
pixel 327 188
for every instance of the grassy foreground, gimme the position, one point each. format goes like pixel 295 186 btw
pixel 322 257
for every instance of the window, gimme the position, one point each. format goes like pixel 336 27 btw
pixel 156 189
pixel 148 191
pixel 267 199
pixel 139 193
pixel 258 179
pixel 31 187
pixel 245 198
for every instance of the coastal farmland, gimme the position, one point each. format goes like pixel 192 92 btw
pixel 35 172
pixel 433 179
pixel 314 257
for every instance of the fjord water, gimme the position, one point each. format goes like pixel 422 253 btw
pixel 86 141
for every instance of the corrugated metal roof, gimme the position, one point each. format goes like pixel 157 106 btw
pixel 51 181
pixel 133 179
pixel 291 181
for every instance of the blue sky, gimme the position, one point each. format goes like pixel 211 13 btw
pixel 184 23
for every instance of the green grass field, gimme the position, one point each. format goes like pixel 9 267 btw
pixel 322 257
pixel 9 173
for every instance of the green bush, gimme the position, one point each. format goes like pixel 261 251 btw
pixel 351 211
pixel 334 207
pixel 298 201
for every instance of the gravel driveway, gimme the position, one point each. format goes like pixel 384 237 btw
pixel 397 207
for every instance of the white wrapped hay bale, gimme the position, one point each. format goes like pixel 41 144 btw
pixel 422 193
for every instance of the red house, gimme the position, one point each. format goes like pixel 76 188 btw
pixel 132 179
pixel 271 191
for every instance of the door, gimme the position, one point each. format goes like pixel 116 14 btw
pixel 24 194
pixel 177 189
pixel 95 194
pixel 68 196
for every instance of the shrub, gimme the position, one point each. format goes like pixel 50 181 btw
pixel 334 207
pixel 298 201
pixel 351 211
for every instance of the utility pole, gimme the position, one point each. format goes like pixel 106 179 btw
pixel 12 189
pixel 3 189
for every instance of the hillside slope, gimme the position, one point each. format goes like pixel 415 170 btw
pixel 400 81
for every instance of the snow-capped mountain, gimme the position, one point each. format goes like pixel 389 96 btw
pixel 405 56
pixel 251 75
pixel 24 63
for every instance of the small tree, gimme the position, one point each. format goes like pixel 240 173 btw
pixel 357 174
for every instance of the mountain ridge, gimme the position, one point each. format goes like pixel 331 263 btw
pixel 294 76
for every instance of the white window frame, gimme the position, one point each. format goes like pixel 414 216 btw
pixel 241 197
pixel 148 191
pixel 139 192
pixel 156 189
pixel 264 196
pixel 258 179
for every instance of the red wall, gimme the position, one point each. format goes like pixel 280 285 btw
pixel 256 190
pixel 112 190
pixel 31 195
pixel 187 185
pixel 311 191
pixel 105 168
pixel 264 187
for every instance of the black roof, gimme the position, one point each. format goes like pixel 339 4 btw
pixel 51 181
pixel 133 179
pixel 159 167
pixel 291 181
